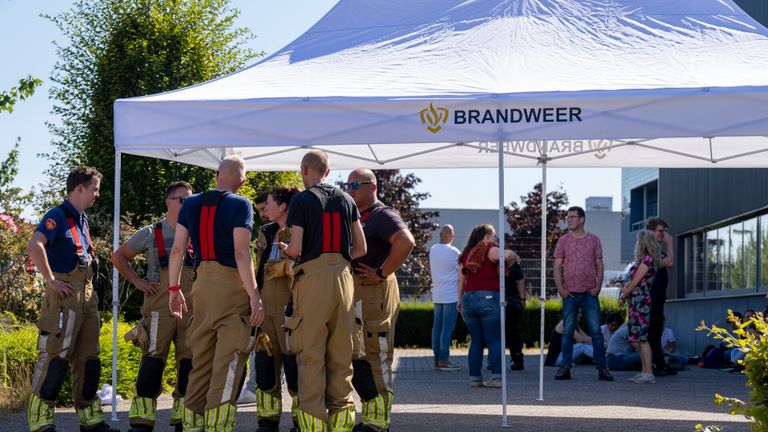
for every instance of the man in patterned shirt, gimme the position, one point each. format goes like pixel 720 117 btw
pixel 579 276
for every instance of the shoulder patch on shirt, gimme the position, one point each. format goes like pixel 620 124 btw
pixel 50 224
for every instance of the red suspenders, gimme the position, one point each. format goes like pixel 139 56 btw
pixel 160 243
pixel 162 256
pixel 331 219
pixel 331 232
pixel 210 201
pixel 73 230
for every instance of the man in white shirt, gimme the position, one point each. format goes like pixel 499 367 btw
pixel 443 264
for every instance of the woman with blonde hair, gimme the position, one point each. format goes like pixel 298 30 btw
pixel 479 301
pixel 638 293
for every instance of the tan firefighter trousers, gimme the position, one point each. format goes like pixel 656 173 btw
pixel 321 330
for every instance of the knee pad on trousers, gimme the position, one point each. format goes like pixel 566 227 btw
pixel 362 380
pixel 291 372
pixel 91 378
pixel 265 371
pixel 150 379
pixel 54 378
pixel 185 367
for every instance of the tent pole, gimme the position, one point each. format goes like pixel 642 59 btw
pixel 115 282
pixel 502 299
pixel 543 293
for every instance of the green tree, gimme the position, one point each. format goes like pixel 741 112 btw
pixel 127 48
pixel 25 89
pixel 398 191
pixel 13 200
pixel 524 221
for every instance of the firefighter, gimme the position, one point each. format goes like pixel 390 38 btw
pixel 226 302
pixel 274 278
pixel 62 250
pixel 158 328
pixel 325 236
pixel 377 295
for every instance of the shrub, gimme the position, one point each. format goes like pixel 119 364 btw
pixel 414 324
pixel 18 352
pixel 20 286
pixel 752 338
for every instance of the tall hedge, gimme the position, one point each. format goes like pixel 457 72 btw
pixel 414 324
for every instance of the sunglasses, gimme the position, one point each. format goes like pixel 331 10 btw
pixel 181 199
pixel 355 184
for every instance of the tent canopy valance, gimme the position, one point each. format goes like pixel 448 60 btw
pixel 414 84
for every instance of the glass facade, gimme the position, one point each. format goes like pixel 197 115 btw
pixel 726 258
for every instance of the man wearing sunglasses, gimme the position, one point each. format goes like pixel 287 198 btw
pixel 378 296
pixel 157 328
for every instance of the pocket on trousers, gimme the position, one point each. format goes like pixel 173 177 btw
pixel 376 334
pixel 292 328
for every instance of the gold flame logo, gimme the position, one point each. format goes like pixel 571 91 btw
pixel 432 117
pixel 601 148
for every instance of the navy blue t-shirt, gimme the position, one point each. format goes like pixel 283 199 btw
pixel 60 249
pixel 233 211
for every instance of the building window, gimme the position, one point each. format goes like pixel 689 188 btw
pixel 643 205
pixel 726 258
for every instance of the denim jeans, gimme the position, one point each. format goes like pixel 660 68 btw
pixel 251 383
pixel 628 362
pixel 590 307
pixel 442 329
pixel 482 315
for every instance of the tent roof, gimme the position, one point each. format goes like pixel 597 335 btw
pixel 437 83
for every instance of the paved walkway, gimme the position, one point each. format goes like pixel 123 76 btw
pixel 429 400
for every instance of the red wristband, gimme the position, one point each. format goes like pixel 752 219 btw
pixel 174 288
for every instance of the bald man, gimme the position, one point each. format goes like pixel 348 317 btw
pixel 376 292
pixel 325 236
pixel 226 302
pixel 443 265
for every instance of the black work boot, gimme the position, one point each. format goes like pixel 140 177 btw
pixel 563 373
pixel 604 375
pixel 99 427
pixel 295 427
pixel 140 428
pixel 518 362
pixel 268 425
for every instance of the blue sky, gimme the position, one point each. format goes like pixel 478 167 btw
pixel 27 49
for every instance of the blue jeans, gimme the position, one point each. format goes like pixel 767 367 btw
pixel 590 307
pixel 628 362
pixel 482 315
pixel 442 329
pixel 251 383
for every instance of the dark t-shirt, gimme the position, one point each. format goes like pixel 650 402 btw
pixel 233 211
pixel 60 249
pixel 510 283
pixel 379 224
pixel 306 211
pixel 659 286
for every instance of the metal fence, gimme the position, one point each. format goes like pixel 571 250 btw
pixel 411 285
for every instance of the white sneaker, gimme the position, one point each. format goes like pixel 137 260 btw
pixel 246 397
pixel 644 379
pixel 493 383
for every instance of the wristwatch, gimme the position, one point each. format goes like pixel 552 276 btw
pixel 380 274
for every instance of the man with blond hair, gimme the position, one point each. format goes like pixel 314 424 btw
pixel 325 236
pixel 226 302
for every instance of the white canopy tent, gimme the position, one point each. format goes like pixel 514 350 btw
pixel 447 83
